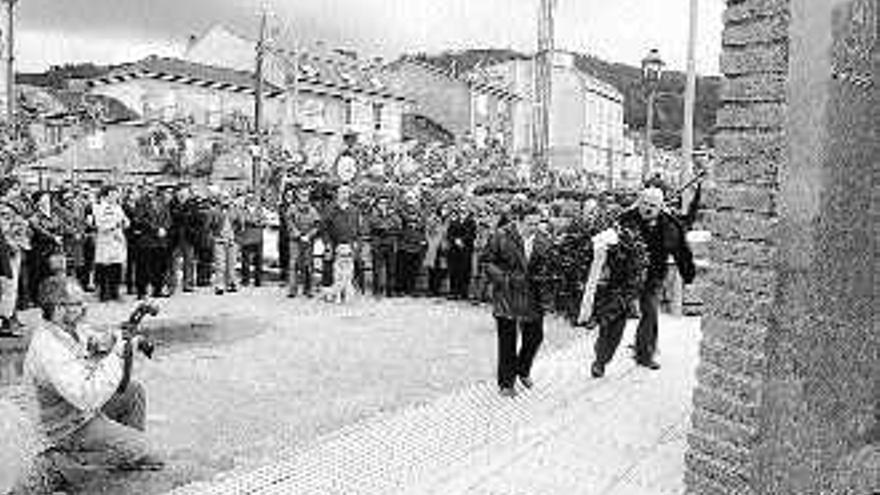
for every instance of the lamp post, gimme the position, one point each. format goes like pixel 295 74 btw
pixel 652 71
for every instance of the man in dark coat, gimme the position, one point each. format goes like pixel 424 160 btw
pixel 250 238
pixel 150 225
pixel 342 227
pixel 516 262
pixel 184 235
pixel 410 246
pixel 663 236
pixel 461 235
pixel 385 227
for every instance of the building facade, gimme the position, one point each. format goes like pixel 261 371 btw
pixel 586 121
pixel 334 93
pixel 468 106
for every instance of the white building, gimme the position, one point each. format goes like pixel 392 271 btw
pixel 586 120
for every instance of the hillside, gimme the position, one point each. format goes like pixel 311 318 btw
pixel 627 79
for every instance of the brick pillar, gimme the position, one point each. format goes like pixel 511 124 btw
pixel 788 375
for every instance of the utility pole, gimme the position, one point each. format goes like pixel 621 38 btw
pixel 10 59
pixel 543 88
pixel 686 172
pixel 690 96
pixel 258 106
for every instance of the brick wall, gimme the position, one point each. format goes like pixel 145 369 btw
pixel 751 149
pixel 788 376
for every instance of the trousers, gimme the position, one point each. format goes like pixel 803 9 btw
pixel 513 363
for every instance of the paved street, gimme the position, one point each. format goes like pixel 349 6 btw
pixel 254 391
pixel 620 435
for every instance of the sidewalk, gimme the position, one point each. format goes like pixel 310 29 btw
pixel 623 434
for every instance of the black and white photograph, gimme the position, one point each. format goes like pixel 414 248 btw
pixel 439 247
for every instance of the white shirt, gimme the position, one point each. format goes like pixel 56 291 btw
pixel 70 386
pixel 529 244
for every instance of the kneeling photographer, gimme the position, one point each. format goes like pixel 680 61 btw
pixel 89 410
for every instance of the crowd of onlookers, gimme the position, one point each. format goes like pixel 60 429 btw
pixel 153 241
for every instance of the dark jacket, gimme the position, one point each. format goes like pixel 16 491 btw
pixel 666 238
pixel 342 226
pixel 520 287
pixel 463 230
pixel 384 230
pixel 185 222
pixel 151 223
pixel 412 231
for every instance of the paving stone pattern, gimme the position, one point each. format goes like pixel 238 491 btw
pixel 622 434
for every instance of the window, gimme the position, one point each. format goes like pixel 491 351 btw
pixel 348 111
pixel 54 135
pixel 377 116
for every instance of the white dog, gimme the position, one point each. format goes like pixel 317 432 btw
pixel 343 289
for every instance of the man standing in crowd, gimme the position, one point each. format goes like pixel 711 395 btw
pixel 302 221
pixel 384 232
pixel 151 223
pixel 462 234
pixel 664 236
pixel 411 245
pixel 342 228
pixel 516 263
pixel 250 238
pixel 111 249
pixel 184 237
pixel 17 235
pixel 92 414
pixel 222 223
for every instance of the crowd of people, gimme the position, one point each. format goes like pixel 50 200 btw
pixel 154 241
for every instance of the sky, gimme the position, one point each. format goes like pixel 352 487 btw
pixel 51 32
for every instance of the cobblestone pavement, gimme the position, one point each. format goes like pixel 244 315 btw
pixel 620 435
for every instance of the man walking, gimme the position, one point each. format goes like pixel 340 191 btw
pixel 663 236
pixel 516 262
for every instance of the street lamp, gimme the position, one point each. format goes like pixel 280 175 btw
pixel 652 71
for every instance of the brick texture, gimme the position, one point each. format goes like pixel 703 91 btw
pixel 754 88
pixel 739 298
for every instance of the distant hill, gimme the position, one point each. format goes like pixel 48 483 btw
pixel 627 79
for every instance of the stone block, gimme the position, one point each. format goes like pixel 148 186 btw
pixel 725 406
pixel 751 198
pixel 740 226
pixel 742 281
pixel 696 484
pixel 732 360
pixel 753 88
pixel 751 253
pixel 758 171
pixel 745 309
pixel 718 449
pixel 768 29
pixel 733 479
pixel 749 338
pixel 751 116
pixel 750 10
pixel 713 426
pixel 743 389
pixel 755 60
pixel 753 144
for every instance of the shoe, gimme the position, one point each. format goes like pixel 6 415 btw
pixel 232 288
pixel 648 363
pixel 188 289
pixel 507 392
pixel 218 291
pixel 597 370
pixel 527 382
